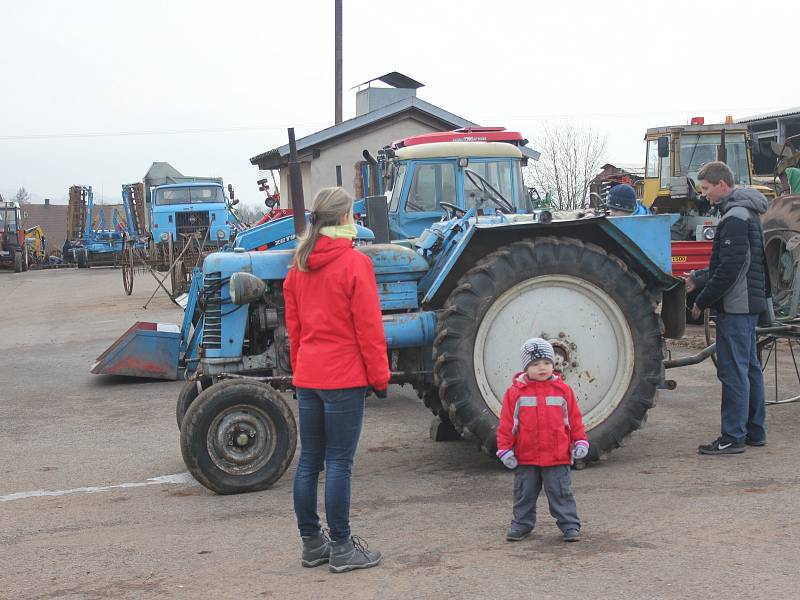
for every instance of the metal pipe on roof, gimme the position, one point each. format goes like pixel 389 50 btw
pixel 296 186
pixel 338 62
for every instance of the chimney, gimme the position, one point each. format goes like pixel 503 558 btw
pixel 47 201
pixel 370 98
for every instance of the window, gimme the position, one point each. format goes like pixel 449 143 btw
pixel 497 173
pixel 397 188
pixel 432 184
pixel 8 220
pixel 652 159
pixel 189 195
pixel 698 150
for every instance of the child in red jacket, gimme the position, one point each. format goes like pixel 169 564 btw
pixel 541 432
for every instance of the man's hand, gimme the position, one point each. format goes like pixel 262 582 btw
pixel 691 284
pixel 696 312
pixel 381 393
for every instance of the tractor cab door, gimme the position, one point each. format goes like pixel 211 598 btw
pixel 420 187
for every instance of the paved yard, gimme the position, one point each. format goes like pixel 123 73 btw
pixel 83 515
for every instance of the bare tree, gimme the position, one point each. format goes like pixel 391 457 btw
pixel 22 196
pixel 249 213
pixel 571 157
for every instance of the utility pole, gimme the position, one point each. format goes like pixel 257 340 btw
pixel 338 62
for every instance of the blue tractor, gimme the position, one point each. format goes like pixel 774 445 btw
pixel 476 274
pixel 187 220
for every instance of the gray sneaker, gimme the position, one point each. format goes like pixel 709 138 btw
pixel 316 550
pixel 572 535
pixel 516 533
pixel 351 554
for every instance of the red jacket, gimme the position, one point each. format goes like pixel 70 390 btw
pixel 333 316
pixel 548 421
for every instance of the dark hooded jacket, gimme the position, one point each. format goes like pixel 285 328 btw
pixel 736 280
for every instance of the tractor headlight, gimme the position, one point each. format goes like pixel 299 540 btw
pixel 164 236
pixel 221 234
pixel 709 232
pixel 246 288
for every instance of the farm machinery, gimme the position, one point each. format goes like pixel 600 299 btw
pixel 175 228
pixel 484 273
pixel 12 237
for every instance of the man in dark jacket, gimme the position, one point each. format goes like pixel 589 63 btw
pixel 735 285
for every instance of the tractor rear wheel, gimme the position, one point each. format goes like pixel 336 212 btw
pixel 597 313
pixel 81 257
pixel 238 436
pixel 781 223
pixel 18 262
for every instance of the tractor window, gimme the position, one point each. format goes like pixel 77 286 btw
pixel 397 188
pixel 433 183
pixel 206 194
pixel 8 220
pixel 497 173
pixel 697 150
pixel 652 159
pixel 189 195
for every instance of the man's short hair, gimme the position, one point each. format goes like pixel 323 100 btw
pixel 716 171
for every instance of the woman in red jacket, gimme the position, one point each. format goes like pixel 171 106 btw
pixel 338 348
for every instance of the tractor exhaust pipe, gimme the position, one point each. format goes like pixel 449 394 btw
pixel 296 187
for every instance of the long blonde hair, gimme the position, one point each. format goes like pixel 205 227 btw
pixel 329 206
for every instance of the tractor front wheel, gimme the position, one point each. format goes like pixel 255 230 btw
pixel 238 436
pixel 598 315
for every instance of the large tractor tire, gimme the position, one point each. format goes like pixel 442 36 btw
pixel 598 315
pixel 189 393
pixel 781 223
pixel 238 436
pixel 18 262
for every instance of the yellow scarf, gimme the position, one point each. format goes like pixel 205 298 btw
pixel 339 231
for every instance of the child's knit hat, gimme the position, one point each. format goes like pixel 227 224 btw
pixel 536 349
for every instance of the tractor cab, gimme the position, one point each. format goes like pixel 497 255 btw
pixel 432 180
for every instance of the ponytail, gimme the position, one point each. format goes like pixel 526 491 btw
pixel 328 207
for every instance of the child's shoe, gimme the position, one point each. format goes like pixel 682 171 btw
pixel 572 535
pixel 517 533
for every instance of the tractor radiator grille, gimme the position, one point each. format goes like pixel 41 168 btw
pixel 212 326
pixel 191 222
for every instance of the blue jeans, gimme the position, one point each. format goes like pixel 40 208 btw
pixel 330 425
pixel 739 371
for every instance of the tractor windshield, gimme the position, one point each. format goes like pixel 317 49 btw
pixel 697 150
pixel 189 195
pixel 496 172
pixel 8 219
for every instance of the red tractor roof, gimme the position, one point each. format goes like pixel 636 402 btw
pixel 467 134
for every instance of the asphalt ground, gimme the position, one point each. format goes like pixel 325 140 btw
pixel 95 501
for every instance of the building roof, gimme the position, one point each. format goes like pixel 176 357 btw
pixel 789 112
pixel 278 157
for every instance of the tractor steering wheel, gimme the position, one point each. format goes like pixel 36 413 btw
pixel 451 209
pixel 495 196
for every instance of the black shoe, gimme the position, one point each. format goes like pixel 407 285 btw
pixel 316 550
pixel 351 554
pixel 572 535
pixel 750 442
pixel 516 533
pixel 721 446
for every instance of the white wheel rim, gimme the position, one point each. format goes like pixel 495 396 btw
pixel 584 324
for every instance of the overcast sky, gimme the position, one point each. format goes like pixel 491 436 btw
pixel 92 92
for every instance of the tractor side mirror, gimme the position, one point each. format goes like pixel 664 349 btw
pixel 663 147
pixel 463 162
pixel 230 191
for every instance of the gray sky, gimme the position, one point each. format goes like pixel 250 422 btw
pixel 94 91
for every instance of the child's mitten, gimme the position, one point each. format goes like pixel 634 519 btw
pixel 508 459
pixel 580 450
